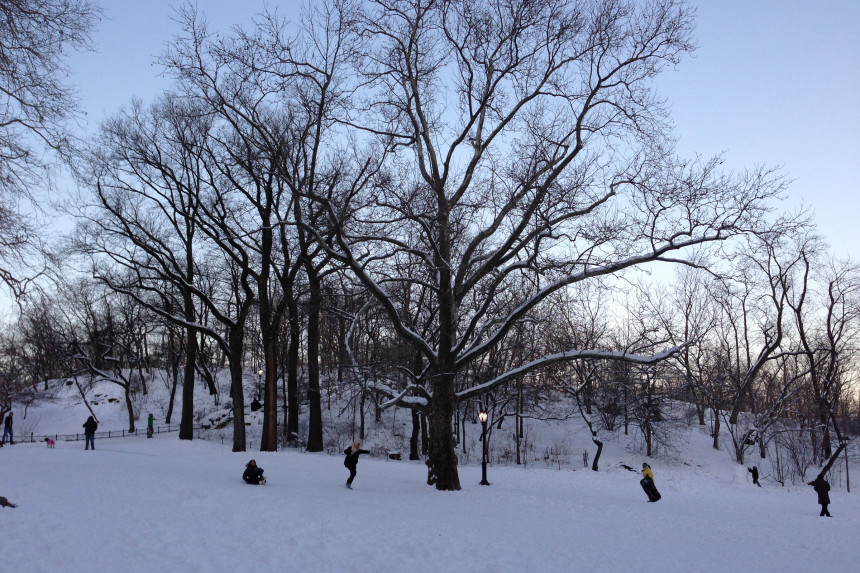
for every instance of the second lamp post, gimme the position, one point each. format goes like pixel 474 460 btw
pixel 482 415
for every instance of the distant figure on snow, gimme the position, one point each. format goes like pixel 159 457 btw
pixel 50 442
pixel 822 487
pixel 6 503
pixel 149 428
pixel 253 475
pixel 90 427
pixel 647 483
pixel 7 429
pixel 754 471
pixel 351 460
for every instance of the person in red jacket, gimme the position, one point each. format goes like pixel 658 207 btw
pixel 351 461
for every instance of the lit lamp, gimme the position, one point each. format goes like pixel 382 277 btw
pixel 259 382
pixel 482 415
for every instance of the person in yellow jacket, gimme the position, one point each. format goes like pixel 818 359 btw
pixel 647 483
pixel 646 471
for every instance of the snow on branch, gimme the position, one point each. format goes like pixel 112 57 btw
pixel 400 398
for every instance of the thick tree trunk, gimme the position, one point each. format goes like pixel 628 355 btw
pixel 425 438
pixel 832 459
pixel 315 432
pixel 129 407
pixel 826 448
pixel 648 441
pixel 269 441
pixel 442 456
pixel 174 374
pixel 716 443
pixel 268 334
pixel 186 422
pixel 361 416
pixel 140 362
pixel 416 431
pixel 239 439
pixel 237 390
pixel 292 423
pixel 599 445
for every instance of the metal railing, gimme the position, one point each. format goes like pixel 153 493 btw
pixel 33 438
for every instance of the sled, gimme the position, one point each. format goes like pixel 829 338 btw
pixel 649 489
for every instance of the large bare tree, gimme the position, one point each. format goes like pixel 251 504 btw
pixel 36 105
pixel 514 148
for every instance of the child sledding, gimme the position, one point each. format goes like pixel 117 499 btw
pixel 253 474
pixel 647 483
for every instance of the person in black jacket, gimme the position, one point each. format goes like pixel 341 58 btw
pixel 821 488
pixel 253 474
pixel 90 427
pixel 351 461
pixel 7 429
pixel 754 471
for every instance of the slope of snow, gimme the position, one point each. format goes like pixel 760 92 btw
pixel 162 505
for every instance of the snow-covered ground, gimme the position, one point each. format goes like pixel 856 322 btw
pixel 161 505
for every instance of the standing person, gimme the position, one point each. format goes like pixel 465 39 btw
pixel 822 487
pixel 754 471
pixel 351 460
pixel 647 483
pixel 149 422
pixel 7 429
pixel 253 474
pixel 90 427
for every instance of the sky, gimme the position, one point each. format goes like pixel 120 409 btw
pixel 778 82
pixel 773 82
pixel 162 505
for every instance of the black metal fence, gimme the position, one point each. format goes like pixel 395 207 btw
pixel 32 438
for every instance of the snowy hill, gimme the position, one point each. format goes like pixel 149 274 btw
pixel 163 505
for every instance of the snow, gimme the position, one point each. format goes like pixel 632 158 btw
pixel 163 505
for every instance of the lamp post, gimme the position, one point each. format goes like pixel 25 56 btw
pixel 482 415
pixel 259 382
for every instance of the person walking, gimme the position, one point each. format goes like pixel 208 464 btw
pixel 821 488
pixel 90 427
pixel 754 471
pixel 351 461
pixel 149 428
pixel 7 429
pixel 253 475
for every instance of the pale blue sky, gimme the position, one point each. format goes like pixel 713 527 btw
pixel 773 81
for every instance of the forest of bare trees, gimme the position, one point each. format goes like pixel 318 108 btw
pixel 442 206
